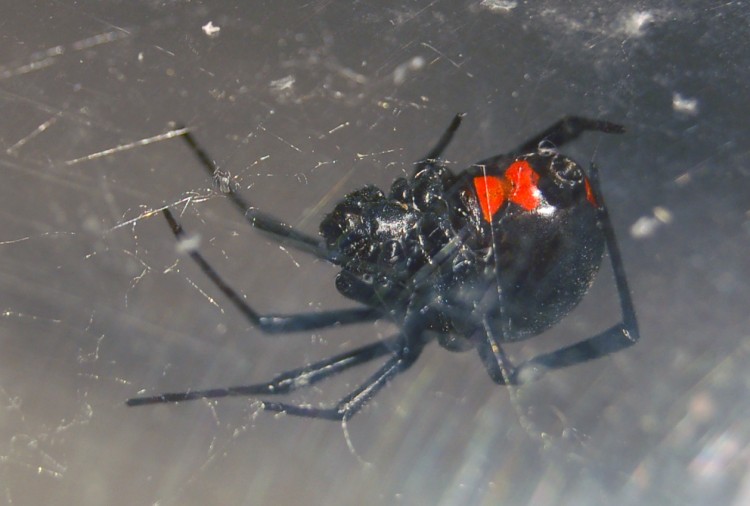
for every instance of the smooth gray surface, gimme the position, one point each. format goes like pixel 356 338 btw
pixel 301 103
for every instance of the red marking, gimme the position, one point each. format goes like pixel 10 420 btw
pixel 491 192
pixel 518 185
pixel 590 193
pixel 524 181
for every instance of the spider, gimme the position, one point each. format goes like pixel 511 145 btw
pixel 497 253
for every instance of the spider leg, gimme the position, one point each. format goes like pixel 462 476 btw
pixel 350 405
pixel 285 382
pixel 616 338
pixel 443 142
pixel 495 360
pixel 629 320
pixel 566 130
pixel 273 323
pixel 261 220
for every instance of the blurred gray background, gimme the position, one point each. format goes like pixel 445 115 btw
pixel 300 103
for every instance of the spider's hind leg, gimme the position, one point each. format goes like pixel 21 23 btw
pixel 352 403
pixel 402 358
pixel 566 130
pixel 283 383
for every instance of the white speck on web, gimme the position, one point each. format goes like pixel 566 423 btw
pixel 684 105
pixel 499 6
pixel 210 29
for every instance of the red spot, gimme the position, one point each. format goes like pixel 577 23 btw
pixel 590 193
pixel 491 193
pixel 518 185
pixel 524 181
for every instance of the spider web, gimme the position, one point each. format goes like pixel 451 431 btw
pixel 298 104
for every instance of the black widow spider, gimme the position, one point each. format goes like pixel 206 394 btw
pixel 497 253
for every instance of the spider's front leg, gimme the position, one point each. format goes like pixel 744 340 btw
pixel 260 220
pixel 445 139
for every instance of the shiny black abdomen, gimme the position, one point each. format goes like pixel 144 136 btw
pixel 545 266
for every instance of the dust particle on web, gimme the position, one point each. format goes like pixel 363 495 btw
pixel 210 29
pixel 498 6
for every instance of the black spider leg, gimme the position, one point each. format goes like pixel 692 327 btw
pixel 294 322
pixel 276 227
pixel 614 339
pixel 442 143
pixel 402 358
pixel 566 130
pixel 404 355
pixel 404 349
pixel 283 383
pixel 560 133
pixel 350 405
pixel 261 220
pixel 272 323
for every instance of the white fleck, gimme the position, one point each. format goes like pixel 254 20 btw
pixel 283 84
pixel 639 19
pixel 643 227
pixel 546 209
pixel 684 105
pixel 416 63
pixel 683 179
pixel 399 75
pixel 210 29
pixel 498 5
pixel 646 226
pixel 189 244
pixel 400 72
pixel 663 214
pixel 633 24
